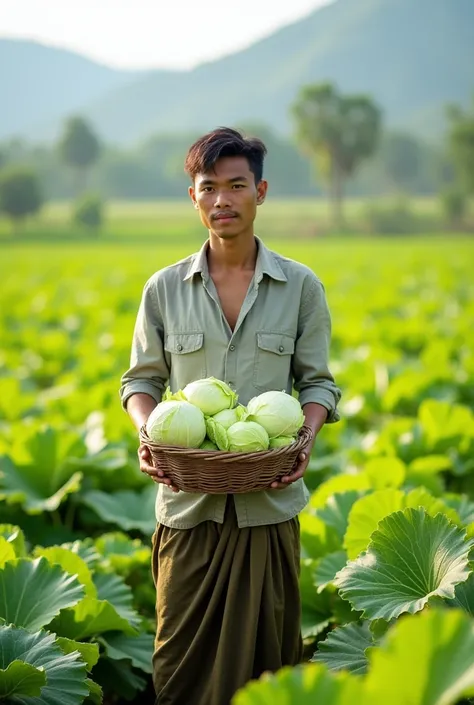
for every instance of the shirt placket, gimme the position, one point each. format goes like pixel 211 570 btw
pixel 231 373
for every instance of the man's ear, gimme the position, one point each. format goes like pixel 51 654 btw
pixel 262 188
pixel 192 195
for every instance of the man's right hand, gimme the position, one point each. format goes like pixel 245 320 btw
pixel 147 467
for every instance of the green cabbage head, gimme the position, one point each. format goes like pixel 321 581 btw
pixel 210 395
pixel 177 423
pixel 281 441
pixel 247 437
pixel 279 413
pixel 208 445
pixel 217 425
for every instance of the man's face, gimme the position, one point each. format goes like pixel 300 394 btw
pixel 227 198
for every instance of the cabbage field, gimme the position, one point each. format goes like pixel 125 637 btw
pixel 387 566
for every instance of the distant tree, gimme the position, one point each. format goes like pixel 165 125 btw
pixel 287 170
pixel 20 193
pixel 122 175
pixel 338 132
pixel 80 149
pixel 88 212
pixel 16 150
pixel 402 158
pixel 461 143
pixel 454 203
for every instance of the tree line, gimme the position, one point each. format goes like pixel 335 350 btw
pixel 340 147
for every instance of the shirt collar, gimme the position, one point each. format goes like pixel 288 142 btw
pixel 266 263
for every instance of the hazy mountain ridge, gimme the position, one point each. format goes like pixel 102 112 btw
pixel 39 83
pixel 412 57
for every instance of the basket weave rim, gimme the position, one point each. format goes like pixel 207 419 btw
pixel 304 437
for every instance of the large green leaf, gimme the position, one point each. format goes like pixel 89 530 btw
pixel 369 510
pixel 96 695
pixel 71 563
pixel 463 506
pixel 15 536
pixel 110 468
pixel 138 649
pixel 39 529
pixel 345 647
pixel 89 652
pixel 118 677
pixel 32 592
pixel 426 659
pixel 49 450
pixel 14 400
pixel 37 491
pixel 328 567
pixel 365 516
pixel 317 538
pixel 385 472
pixel 122 553
pixel 65 673
pixel 316 608
pixel 303 685
pixel 86 550
pixel 90 618
pixel 126 509
pixel 106 460
pixel 429 465
pixel 426 471
pixel 339 484
pixel 420 497
pixel 20 679
pixel 335 512
pixel 444 424
pixel 342 611
pixel 464 595
pixel 312 624
pixel 411 558
pixel 7 552
pixel 112 588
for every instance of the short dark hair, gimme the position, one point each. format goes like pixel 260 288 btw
pixel 225 142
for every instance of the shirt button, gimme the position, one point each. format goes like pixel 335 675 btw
pixel 281 348
pixel 232 347
pixel 179 348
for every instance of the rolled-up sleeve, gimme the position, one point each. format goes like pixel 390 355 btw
pixel 148 372
pixel 312 377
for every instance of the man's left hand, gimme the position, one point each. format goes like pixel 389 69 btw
pixel 298 472
pixel 315 417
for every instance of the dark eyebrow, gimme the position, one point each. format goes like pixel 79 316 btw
pixel 211 182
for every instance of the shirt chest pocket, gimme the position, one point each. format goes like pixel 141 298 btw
pixel 187 357
pixel 273 358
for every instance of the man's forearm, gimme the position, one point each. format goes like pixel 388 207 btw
pixel 139 408
pixel 315 416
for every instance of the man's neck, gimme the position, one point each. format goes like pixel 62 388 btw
pixel 232 255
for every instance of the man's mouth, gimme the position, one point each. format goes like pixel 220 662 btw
pixel 224 216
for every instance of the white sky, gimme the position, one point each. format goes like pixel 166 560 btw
pixel 149 33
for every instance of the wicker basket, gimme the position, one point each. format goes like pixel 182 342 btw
pixel 222 472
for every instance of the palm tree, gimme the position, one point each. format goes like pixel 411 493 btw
pixel 338 132
pixel 79 148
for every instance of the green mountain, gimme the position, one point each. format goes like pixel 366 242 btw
pixel 39 83
pixel 413 56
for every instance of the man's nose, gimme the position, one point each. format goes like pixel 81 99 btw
pixel 223 199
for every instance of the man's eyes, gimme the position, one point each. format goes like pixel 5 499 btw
pixel 208 189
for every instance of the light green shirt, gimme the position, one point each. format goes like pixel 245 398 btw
pixel 281 341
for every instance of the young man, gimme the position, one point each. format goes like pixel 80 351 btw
pixel 226 568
